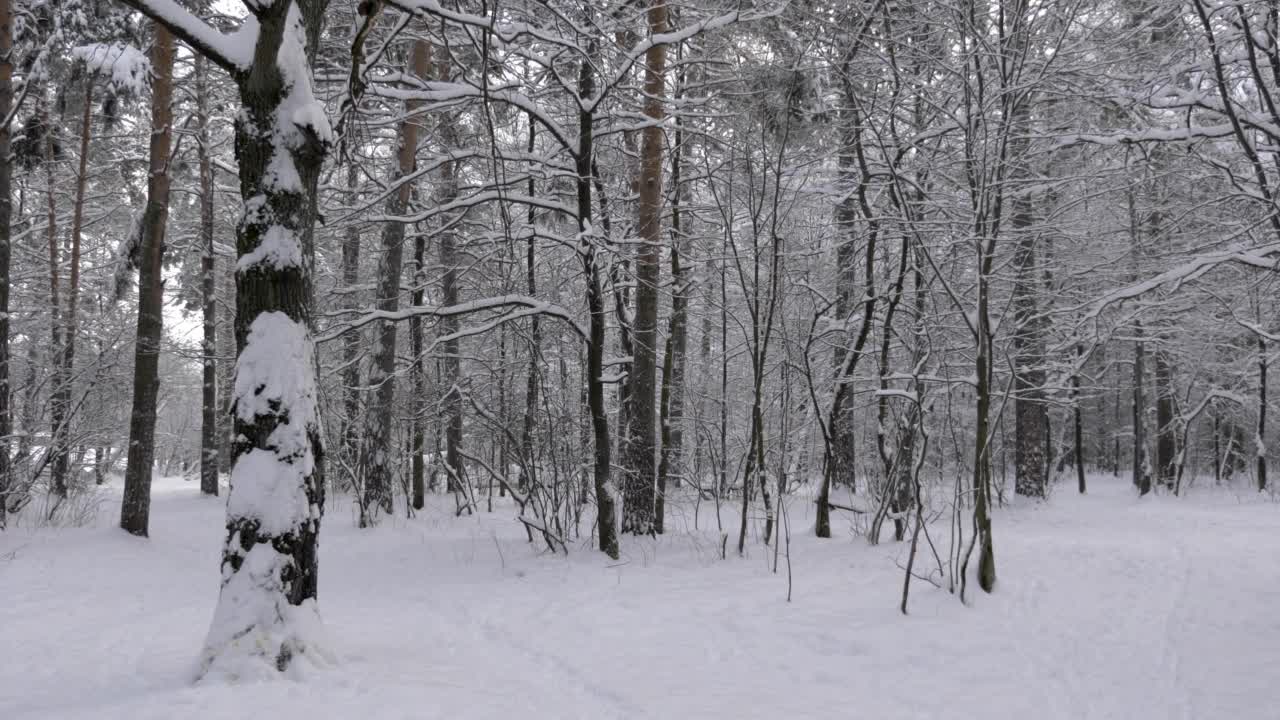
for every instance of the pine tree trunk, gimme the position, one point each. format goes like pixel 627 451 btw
pixel 638 503
pixel 377 452
pixel 210 438
pixel 136 506
pixel 6 217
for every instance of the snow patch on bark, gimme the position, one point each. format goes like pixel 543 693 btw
pixel 256 633
pixel 274 372
pixel 278 247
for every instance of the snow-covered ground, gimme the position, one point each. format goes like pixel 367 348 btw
pixel 1107 607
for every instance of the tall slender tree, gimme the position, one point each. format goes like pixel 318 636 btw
pixel 136 505
pixel 640 486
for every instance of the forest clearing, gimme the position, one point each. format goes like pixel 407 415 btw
pixel 1112 608
pixel 639 358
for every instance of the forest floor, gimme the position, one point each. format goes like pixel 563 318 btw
pixel 1107 606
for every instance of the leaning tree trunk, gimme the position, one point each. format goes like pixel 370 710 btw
pixel 210 438
pixel 640 487
pixel 135 509
pixel 6 214
pixel 377 454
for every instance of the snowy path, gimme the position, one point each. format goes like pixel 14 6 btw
pixel 1108 607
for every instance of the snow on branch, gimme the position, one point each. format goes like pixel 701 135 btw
pixel 1266 257
pixel 124 66
pixel 233 53
pixel 531 306
pixel 1149 135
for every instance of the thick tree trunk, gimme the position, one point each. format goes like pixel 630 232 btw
pixel 1031 432
pixel 6 215
pixel 266 614
pixel 638 504
pixel 376 461
pixel 210 438
pixel 136 506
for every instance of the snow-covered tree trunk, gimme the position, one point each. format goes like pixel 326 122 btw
pixel 266 618
pixel 266 612
pixel 136 505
